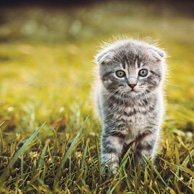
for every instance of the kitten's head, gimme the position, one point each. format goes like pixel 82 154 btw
pixel 130 68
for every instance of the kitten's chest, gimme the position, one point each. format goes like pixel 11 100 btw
pixel 132 114
pixel 135 119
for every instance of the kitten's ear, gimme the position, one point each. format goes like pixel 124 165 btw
pixel 157 53
pixel 104 57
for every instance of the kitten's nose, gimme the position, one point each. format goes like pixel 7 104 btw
pixel 132 85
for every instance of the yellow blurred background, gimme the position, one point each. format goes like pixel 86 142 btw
pixel 47 52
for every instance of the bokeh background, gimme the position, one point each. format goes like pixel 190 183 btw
pixel 47 50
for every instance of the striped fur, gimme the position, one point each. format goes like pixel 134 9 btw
pixel 129 116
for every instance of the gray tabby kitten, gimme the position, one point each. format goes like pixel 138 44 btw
pixel 129 99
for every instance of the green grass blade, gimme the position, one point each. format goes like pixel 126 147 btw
pixel 113 187
pixel 24 146
pixel 186 160
pixel 70 166
pixel 45 187
pixel 21 150
pixel 22 166
pixel 41 160
pixel 181 167
pixel 189 171
pixel 1 138
pixel 67 154
pixel 159 175
pixel 84 156
pixel 98 154
pixel 127 180
pixel 2 123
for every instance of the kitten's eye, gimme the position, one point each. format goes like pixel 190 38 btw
pixel 143 72
pixel 120 73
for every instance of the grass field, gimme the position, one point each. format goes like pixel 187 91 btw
pixel 46 74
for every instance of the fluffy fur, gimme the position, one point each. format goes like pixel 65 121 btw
pixel 130 107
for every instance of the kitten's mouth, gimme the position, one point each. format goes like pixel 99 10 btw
pixel 132 90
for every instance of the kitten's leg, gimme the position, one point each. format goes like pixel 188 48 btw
pixel 146 147
pixel 111 148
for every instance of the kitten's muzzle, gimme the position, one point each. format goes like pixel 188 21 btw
pixel 132 82
pixel 132 85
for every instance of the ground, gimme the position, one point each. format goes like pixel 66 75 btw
pixel 46 75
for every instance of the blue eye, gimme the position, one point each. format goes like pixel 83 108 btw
pixel 143 72
pixel 120 73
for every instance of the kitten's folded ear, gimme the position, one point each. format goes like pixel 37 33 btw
pixel 157 53
pixel 104 57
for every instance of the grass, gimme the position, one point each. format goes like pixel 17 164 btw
pixel 46 76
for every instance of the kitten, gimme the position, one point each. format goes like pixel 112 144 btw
pixel 129 99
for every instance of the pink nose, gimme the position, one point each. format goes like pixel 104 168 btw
pixel 132 85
